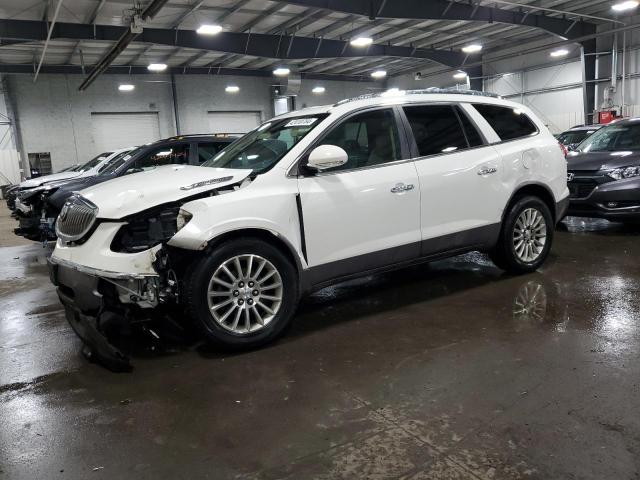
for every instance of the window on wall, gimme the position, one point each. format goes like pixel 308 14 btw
pixel 436 129
pixel 370 138
pixel 508 123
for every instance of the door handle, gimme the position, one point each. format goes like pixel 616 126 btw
pixel 401 188
pixel 487 170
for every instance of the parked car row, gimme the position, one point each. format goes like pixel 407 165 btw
pixel 37 203
pixel 307 199
pixel 236 236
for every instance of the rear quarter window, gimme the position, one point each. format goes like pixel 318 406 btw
pixel 509 123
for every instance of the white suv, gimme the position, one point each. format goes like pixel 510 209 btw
pixel 307 199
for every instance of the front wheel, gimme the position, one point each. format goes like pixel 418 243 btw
pixel 243 295
pixel 526 236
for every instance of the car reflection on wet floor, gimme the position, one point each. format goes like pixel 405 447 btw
pixel 451 367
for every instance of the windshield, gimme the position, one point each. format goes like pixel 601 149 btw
pixel 118 161
pixel 573 137
pixel 115 158
pixel 612 138
pixel 72 168
pixel 93 162
pixel 263 147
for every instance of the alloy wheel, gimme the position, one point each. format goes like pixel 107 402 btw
pixel 529 235
pixel 245 293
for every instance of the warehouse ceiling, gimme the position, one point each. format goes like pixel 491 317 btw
pixel 303 35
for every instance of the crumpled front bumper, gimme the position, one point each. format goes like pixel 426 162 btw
pixel 89 311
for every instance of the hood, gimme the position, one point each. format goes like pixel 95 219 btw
pixel 36 182
pixel 68 187
pixel 133 193
pixel 594 161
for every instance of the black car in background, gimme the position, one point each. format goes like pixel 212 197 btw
pixel 180 150
pixel 603 173
pixel 575 135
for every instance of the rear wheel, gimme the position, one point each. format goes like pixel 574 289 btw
pixel 526 236
pixel 243 295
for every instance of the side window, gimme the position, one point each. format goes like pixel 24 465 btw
pixel 473 136
pixel 509 123
pixel 436 129
pixel 370 138
pixel 206 151
pixel 167 155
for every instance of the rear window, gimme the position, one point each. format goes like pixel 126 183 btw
pixel 508 123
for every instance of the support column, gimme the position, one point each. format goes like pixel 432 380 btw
pixel 588 79
pixel 475 77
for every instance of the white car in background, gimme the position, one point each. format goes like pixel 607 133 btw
pixel 28 200
pixel 66 174
pixel 92 167
pixel 307 199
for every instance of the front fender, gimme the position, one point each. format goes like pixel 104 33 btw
pixel 272 209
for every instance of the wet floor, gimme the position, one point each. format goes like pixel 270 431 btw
pixel 446 371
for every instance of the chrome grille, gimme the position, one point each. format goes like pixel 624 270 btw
pixel 76 219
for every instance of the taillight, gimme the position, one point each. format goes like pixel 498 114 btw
pixel 564 150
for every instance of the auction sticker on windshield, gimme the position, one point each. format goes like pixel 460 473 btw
pixel 301 122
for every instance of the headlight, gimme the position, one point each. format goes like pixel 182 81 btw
pixel 149 228
pixel 624 172
pixel 23 195
pixel 182 219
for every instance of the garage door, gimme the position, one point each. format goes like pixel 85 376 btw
pixel 119 130
pixel 233 122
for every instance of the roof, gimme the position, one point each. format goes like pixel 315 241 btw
pixel 213 136
pixel 307 34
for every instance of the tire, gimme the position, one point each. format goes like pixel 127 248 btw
pixel 505 255
pixel 203 293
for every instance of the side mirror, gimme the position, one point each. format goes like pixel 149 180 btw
pixel 327 156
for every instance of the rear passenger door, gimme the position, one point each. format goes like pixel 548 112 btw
pixel 461 194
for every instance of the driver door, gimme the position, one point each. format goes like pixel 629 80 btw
pixel 366 213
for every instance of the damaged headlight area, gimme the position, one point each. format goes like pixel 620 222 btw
pixel 147 229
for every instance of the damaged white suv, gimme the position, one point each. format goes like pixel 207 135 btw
pixel 307 199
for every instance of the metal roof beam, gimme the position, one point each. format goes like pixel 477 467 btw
pixel 445 10
pixel 256 44
pixel 129 70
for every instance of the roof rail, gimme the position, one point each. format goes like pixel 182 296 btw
pixel 432 90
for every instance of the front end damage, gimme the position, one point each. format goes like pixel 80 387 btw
pixel 108 310
pixel 35 216
pixel 119 280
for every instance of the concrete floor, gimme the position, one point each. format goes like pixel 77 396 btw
pixel 451 370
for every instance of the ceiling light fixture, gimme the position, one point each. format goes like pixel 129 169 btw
pixel 318 90
pixel 209 29
pixel 460 75
pixel 561 52
pixel 281 71
pixel 473 48
pixel 623 6
pixel 232 89
pixel 126 87
pixel 379 74
pixel 362 41
pixel 157 67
